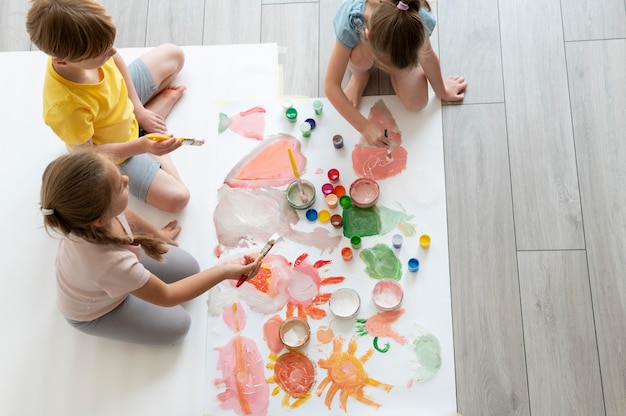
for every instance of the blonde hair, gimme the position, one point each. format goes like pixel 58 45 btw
pixel 70 30
pixel 395 36
pixel 76 191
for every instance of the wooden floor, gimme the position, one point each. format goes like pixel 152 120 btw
pixel 535 177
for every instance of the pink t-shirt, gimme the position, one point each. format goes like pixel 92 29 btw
pixel 93 279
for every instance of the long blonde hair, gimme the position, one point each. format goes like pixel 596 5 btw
pixel 76 191
pixel 395 36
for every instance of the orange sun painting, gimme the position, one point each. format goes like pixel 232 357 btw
pixel 347 375
pixel 294 374
pixel 297 285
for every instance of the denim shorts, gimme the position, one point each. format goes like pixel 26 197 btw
pixel 141 170
pixel 142 80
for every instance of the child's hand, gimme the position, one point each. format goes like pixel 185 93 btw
pixel 244 265
pixel 455 88
pixel 374 136
pixel 151 121
pixel 169 232
pixel 162 147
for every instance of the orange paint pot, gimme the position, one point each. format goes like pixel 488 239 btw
pixel 346 253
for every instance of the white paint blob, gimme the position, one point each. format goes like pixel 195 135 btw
pixel 345 303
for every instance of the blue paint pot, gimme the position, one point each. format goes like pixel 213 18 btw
pixel 414 264
pixel 311 214
pixel 311 123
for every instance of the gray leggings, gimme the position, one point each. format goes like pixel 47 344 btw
pixel 141 322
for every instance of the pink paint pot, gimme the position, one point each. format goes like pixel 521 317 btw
pixel 332 201
pixel 387 295
pixel 364 192
pixel 328 188
pixel 333 175
pixel 295 332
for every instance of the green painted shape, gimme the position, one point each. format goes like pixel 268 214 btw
pixel 225 121
pixel 361 221
pixel 428 353
pixel 390 218
pixel 381 262
pixel 381 349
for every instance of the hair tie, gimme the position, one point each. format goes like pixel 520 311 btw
pixel 47 211
pixel 403 6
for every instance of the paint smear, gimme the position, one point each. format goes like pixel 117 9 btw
pixel 325 334
pixel 294 373
pixel 379 325
pixel 372 162
pixel 298 286
pixel 362 222
pixel 346 375
pixel 381 262
pixel 428 355
pixel 267 164
pixel 390 219
pixel 271 335
pixel 249 123
pixel 246 391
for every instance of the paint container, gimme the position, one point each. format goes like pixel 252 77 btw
pixel 336 220
pixel 311 214
pixel 333 174
pixel 338 141
pixel 345 201
pixel 396 241
pixel 286 103
pixel 323 216
pixel 414 264
pixel 294 197
pixel 346 253
pixel 332 201
pixel 425 240
pixel 387 295
pixel 328 188
pixel 339 191
pixel 294 332
pixel 311 122
pixel 364 192
pixel 355 241
pixel 345 303
pixel 305 128
pixel 291 114
pixel 318 106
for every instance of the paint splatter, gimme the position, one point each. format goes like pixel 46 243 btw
pixel 268 164
pixel 249 123
pixel 294 374
pixel 379 326
pixel 346 375
pixel 390 219
pixel 381 262
pixel 325 334
pixel 428 355
pixel 372 162
pixel 246 390
pixel 361 221
pixel 271 329
pixel 296 286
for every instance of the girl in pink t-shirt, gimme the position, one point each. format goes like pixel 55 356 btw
pixel 116 277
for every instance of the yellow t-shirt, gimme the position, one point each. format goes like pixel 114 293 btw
pixel 79 112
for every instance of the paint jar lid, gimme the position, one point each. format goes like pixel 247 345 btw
pixel 294 332
pixel 345 303
pixel 387 295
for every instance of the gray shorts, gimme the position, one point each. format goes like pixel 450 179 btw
pixel 141 170
pixel 142 80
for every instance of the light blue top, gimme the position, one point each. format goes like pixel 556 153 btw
pixel 350 21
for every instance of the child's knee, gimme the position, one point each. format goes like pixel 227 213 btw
pixel 173 54
pixel 178 201
pixel 415 103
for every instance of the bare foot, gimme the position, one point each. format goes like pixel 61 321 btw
pixel 163 102
pixel 356 86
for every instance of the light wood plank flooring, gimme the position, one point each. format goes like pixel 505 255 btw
pixel 535 177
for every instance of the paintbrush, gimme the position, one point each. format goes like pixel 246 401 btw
pixel 389 158
pixel 186 140
pixel 266 249
pixel 303 195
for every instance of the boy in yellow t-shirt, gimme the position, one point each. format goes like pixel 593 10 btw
pixel 92 99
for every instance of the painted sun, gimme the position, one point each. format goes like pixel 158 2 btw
pixel 347 376
pixel 294 374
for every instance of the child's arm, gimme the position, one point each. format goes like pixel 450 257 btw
pixel 337 65
pixel 160 293
pixel 147 119
pixel 449 90
pixel 132 147
pixel 139 225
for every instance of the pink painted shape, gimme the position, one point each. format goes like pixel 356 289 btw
pixel 268 164
pixel 235 317
pixel 372 162
pixel 271 334
pixel 379 325
pixel 249 123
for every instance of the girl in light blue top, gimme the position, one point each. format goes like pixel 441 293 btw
pixel 394 36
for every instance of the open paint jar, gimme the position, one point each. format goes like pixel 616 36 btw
pixel 294 332
pixel 295 198
pixel 387 295
pixel 345 303
pixel 364 192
